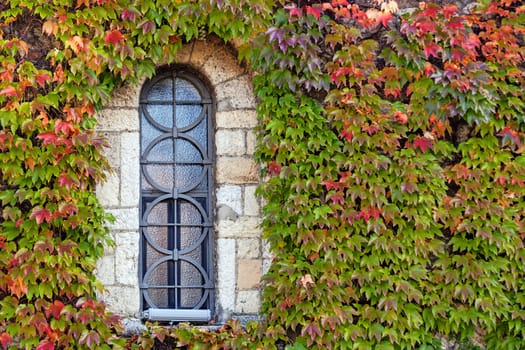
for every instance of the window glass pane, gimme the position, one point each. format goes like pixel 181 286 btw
pixel 158 215
pixel 162 114
pixel 190 276
pixel 189 214
pixel 162 90
pixel 187 176
pixel 187 152
pixel 161 152
pixel 148 133
pixel 161 176
pixel 187 115
pixel 200 134
pixel 185 91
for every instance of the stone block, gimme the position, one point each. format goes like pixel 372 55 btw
pixel 202 50
pixel 125 96
pixel 236 119
pixel 230 142
pixel 248 248
pixel 124 301
pixel 126 257
pixel 236 170
pixel 231 196
pixel 184 53
pixel 249 273
pixel 226 277
pixel 126 219
pixel 267 254
pixel 105 271
pixel 251 142
pixel 119 119
pixel 251 201
pixel 112 152
pixel 221 66
pixel 108 192
pixel 235 94
pixel 130 169
pixel 248 302
pixel 243 227
pixel 266 264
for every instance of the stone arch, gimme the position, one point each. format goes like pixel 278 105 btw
pixel 240 255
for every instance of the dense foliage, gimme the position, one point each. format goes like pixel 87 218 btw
pixel 392 145
pixel 59 61
pixel 402 183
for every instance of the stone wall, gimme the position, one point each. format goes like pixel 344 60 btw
pixel 239 254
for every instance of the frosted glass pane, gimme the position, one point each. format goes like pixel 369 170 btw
pixel 145 185
pixel 148 133
pixel 187 152
pixel 188 236
pixel 159 297
pixel 159 236
pixel 186 176
pixel 162 114
pixel 158 214
pixel 161 175
pixel 190 276
pixel 187 114
pixel 200 134
pixel 189 214
pixel 162 151
pixel 203 185
pixel 162 90
pixel 186 91
pixel 159 277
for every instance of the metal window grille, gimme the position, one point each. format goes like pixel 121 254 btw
pixel 176 218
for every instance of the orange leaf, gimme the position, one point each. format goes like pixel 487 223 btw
pixel 50 27
pixel 18 287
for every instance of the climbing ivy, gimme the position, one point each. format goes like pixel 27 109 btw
pixel 391 147
pixel 395 196
pixel 59 62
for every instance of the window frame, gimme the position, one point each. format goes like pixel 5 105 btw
pixel 203 311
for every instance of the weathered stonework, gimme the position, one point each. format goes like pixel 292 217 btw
pixel 238 250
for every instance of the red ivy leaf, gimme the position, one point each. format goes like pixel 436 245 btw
pixel 48 138
pixel 314 10
pixel 274 168
pixel 45 345
pixel 295 11
pixel 449 11
pixel 431 49
pixel 5 339
pixel 41 215
pixel 66 181
pixel 455 24
pixel 42 78
pixel 55 309
pixel 114 37
pixel 422 143
pixel 9 91
pixel 384 18
pixel 347 134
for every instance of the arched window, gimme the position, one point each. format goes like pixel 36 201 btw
pixel 176 219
